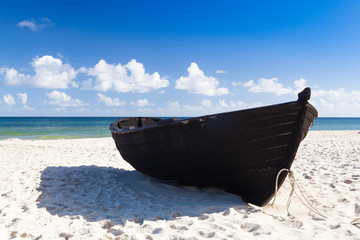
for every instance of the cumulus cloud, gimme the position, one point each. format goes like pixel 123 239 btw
pixel 9 99
pixel 222 105
pixel 326 101
pixel 63 100
pixel 124 78
pixel 339 97
pixel 35 25
pixel 337 94
pixel 272 85
pixel 13 77
pixel 50 73
pixel 142 103
pixel 268 86
pixel 22 98
pixel 197 82
pixel 110 101
pixel 300 84
pixel 336 102
pixel 205 107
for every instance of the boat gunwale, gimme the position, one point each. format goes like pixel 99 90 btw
pixel 114 129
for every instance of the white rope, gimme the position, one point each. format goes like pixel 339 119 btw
pixel 305 202
pixel 276 183
pixel 276 191
pixel 294 184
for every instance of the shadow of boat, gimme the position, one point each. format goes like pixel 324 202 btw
pixel 99 193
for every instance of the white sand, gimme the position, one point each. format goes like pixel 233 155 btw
pixel 82 189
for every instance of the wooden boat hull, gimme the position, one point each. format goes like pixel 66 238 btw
pixel 240 152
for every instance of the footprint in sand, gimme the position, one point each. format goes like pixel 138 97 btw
pixel 357 208
pixel 293 223
pixel 157 230
pixel 206 235
pixel 250 227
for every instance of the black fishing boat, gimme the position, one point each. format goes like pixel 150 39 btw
pixel 240 151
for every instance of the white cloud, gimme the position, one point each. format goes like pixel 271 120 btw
pixel 30 24
pixel 249 84
pixel 13 77
pixel 205 107
pixel 110 101
pixel 222 104
pixel 221 72
pixel 125 78
pixel 50 73
pixel 300 84
pixel 34 25
pixel 333 102
pixel 272 85
pixel 142 103
pixel 197 82
pixel 22 97
pixel 326 104
pixel 344 101
pixel 206 103
pixel 9 99
pixel 63 100
pixel 237 105
pixel 87 84
pixel 339 94
pixel 173 105
pixel 268 86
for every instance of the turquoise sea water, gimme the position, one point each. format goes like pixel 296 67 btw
pixel 336 124
pixel 54 127
pixel 90 127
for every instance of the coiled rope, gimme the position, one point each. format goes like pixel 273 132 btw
pixel 294 184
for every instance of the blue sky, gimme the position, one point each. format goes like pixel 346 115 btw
pixel 177 58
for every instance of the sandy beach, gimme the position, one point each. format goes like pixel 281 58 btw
pixel 82 189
